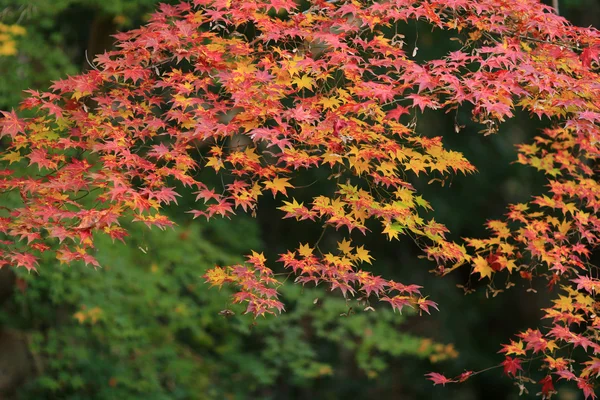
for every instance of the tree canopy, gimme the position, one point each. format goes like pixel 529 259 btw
pixel 258 93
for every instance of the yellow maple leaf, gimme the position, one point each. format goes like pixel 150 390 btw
pixel 551 345
pixel 564 227
pixel 216 276
pixel 482 267
pixel 304 250
pixel 515 348
pixel 500 228
pixel 564 303
pixel 506 248
pixel 243 68
pixel 251 154
pixel 344 246
pixel 292 68
pixel 526 47
pixel 359 165
pixel 332 158
pixel 330 103
pixel 417 165
pixel 215 162
pixel 510 266
pixel 390 231
pixel 12 156
pixel 304 82
pixel 290 207
pixel 178 100
pixel 278 185
pixel 363 255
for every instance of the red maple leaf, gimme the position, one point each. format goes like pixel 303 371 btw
pixel 438 379
pixel 588 390
pixel 11 124
pixel 511 366
pixel 547 386
pixel 589 54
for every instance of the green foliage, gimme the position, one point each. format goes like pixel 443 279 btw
pixel 57 35
pixel 116 7
pixel 147 325
pixel 39 59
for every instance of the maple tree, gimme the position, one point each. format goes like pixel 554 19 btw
pixel 327 85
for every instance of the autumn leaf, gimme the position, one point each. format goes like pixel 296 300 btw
pixel 305 250
pixel 424 304
pixel 362 255
pixel 11 124
pixel 217 276
pixel 278 185
pixel 304 82
pixel 438 379
pixel 547 385
pixel 482 267
pixel 515 348
pixel 464 376
pixel 12 156
pixel 511 366
pixel 344 246
pixel 329 103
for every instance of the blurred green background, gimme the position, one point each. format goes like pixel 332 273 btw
pixel 146 326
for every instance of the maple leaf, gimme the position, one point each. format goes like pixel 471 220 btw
pixel 515 348
pixel 588 390
pixel 215 162
pixel 27 260
pixel 424 304
pixel 464 376
pixel 163 195
pixel 547 386
pixel 511 366
pixel 362 255
pixel 297 210
pixel 592 367
pixel 566 374
pixel 53 109
pixel 564 303
pixel 11 124
pixel 223 208
pixel 392 230
pixel 589 54
pixel 304 82
pixel 591 285
pixel 330 103
pixel 482 267
pixel 398 302
pixel 305 250
pixel 397 112
pixel 417 165
pixel 42 159
pixel 278 185
pixel 217 276
pixel 344 246
pixel 422 102
pixel 12 156
pixel 438 379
